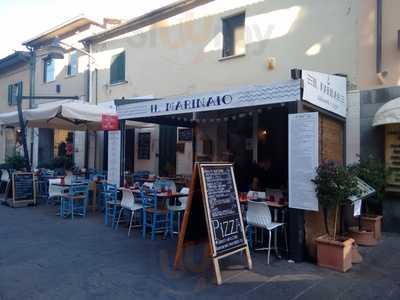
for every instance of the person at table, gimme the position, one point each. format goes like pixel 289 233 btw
pixel 261 175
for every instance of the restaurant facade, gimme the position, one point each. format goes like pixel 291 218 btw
pixel 287 128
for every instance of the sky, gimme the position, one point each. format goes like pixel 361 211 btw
pixel 21 20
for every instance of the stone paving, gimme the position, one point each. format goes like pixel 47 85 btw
pixel 45 257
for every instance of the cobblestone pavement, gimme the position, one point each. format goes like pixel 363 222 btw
pixel 45 257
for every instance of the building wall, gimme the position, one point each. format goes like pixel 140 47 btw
pixel 181 55
pixel 75 85
pixel 353 128
pixel 19 73
pixel 366 53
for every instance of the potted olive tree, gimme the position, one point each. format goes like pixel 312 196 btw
pixel 374 173
pixel 333 185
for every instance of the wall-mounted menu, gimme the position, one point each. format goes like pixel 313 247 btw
pixel 114 157
pixel 392 154
pixel 144 140
pixel 303 160
pixel 185 134
pixel 23 189
pixel 222 208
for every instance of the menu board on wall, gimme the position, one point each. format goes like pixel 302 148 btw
pixel 114 157
pixel 185 134
pixel 223 208
pixel 303 160
pixel 392 154
pixel 144 141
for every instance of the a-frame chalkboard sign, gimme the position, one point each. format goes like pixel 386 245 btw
pixel 21 190
pixel 213 214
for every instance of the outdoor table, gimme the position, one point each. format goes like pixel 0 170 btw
pixel 64 187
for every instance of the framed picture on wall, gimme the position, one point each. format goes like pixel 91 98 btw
pixel 180 147
pixel 144 140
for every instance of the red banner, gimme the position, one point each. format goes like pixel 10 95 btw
pixel 109 122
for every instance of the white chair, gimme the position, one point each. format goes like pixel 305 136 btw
pixel 178 209
pixel 259 215
pixel 128 203
pixel 55 191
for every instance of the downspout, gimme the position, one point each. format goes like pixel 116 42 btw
pixel 32 75
pixel 90 75
pixel 379 13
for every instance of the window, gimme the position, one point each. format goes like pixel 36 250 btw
pixel 48 74
pixel 234 35
pixel 72 68
pixel 13 91
pixel 117 68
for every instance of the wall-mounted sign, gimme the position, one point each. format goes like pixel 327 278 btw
pixel 144 142
pixel 303 160
pixel 234 98
pixel 109 122
pixel 114 157
pixel 392 153
pixel 326 91
pixel 185 134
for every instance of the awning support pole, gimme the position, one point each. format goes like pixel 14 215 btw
pixel 122 126
pixel 23 129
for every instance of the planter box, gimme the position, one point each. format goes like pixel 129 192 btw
pixel 362 237
pixel 334 254
pixel 372 223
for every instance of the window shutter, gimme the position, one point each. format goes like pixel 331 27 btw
pixel 117 68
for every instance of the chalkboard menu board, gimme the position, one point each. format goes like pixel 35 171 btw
pixel 222 208
pixel 185 134
pixel 213 212
pixel 144 145
pixel 23 189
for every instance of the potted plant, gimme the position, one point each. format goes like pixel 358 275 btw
pixel 374 173
pixel 333 185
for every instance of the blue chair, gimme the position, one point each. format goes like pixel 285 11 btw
pixel 111 203
pixel 155 216
pixel 75 202
pixel 42 190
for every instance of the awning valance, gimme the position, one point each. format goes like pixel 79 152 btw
pixel 68 114
pixel 388 113
pixel 249 96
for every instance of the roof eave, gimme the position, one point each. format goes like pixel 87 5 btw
pixel 146 19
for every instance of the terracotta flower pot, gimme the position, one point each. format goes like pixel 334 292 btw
pixel 356 257
pixel 334 254
pixel 372 223
pixel 362 237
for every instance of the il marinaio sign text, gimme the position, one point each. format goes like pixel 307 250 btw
pixel 241 97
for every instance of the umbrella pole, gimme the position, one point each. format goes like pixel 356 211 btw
pixel 23 129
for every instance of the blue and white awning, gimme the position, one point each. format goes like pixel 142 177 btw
pixel 249 96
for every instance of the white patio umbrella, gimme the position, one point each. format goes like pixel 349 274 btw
pixel 68 114
pixel 388 113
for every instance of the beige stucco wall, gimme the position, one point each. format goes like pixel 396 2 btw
pixel 75 85
pixel 366 45
pixel 181 55
pixel 19 73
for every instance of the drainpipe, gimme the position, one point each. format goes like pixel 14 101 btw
pixel 379 13
pixel 90 74
pixel 32 75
